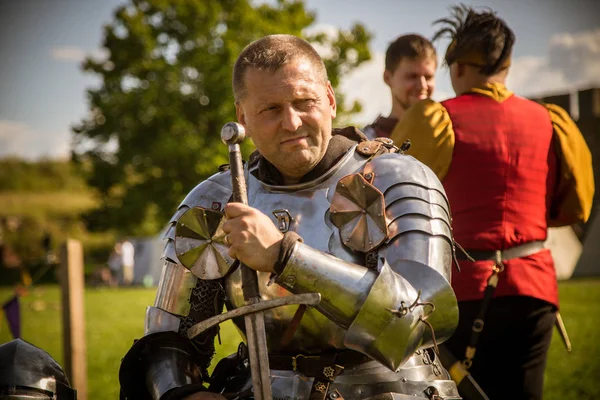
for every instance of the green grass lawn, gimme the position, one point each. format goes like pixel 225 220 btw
pixel 114 317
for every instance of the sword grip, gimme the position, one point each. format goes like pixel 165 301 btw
pixel 238 181
pixel 240 195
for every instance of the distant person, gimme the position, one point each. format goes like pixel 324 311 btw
pixel 511 167
pixel 410 66
pixel 115 265
pixel 127 261
pixel 30 373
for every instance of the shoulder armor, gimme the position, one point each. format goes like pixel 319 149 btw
pixel 211 194
pixel 393 169
pixel 394 194
pixel 415 199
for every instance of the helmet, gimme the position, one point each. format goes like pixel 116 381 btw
pixel 28 372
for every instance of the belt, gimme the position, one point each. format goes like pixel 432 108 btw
pixel 522 250
pixel 313 365
pixel 324 368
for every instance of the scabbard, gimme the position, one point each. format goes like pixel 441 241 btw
pixel 466 385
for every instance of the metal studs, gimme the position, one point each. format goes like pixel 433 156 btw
pixel 290 281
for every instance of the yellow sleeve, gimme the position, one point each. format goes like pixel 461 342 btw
pixel 428 127
pixel 572 201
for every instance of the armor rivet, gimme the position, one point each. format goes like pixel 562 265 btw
pixel 333 395
pixel 364 211
pixel 369 176
pixel 208 241
pixel 365 149
pixel 290 280
pixel 404 379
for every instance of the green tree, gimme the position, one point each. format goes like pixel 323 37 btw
pixel 153 128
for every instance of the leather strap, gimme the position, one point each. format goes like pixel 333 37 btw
pixel 312 365
pixel 520 251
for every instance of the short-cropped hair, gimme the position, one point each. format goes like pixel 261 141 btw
pixel 271 53
pixel 411 46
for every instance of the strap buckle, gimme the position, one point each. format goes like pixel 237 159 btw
pixel 295 360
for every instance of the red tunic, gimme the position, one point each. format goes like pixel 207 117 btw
pixel 499 184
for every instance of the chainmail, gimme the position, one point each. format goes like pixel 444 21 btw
pixel 207 300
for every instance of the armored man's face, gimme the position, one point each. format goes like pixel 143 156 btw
pixel 288 114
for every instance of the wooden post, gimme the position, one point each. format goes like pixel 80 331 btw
pixel 73 316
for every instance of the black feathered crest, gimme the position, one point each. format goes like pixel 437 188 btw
pixel 482 32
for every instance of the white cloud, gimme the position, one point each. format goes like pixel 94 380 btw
pixel 76 54
pixel 19 139
pixel 572 61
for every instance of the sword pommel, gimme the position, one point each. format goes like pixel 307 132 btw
pixel 232 133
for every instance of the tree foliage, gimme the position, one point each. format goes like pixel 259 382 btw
pixel 153 129
pixel 18 175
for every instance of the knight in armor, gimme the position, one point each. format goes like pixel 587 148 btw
pixel 410 65
pixel 28 372
pixel 328 212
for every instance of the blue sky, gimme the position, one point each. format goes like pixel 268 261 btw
pixel 42 90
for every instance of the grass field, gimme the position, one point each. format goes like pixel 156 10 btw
pixel 114 317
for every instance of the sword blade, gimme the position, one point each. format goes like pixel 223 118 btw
pixel 258 354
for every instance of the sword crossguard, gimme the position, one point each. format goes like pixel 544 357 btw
pixel 232 133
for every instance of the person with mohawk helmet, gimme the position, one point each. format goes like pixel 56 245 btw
pixel 511 168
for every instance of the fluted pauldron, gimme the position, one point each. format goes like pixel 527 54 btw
pixel 177 282
pixel 419 230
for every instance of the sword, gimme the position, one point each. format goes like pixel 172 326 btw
pixel 232 135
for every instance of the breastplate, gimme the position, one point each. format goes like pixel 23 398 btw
pixel 306 207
